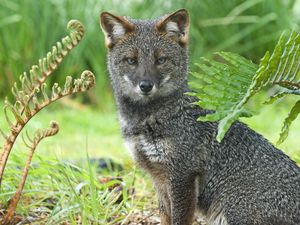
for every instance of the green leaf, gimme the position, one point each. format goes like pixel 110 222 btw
pixel 282 67
pixel 288 121
pixel 221 86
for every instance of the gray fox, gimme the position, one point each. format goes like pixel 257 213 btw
pixel 244 180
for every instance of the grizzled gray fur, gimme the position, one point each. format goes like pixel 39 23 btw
pixel 244 180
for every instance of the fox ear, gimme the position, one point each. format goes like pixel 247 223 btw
pixel 176 26
pixel 114 27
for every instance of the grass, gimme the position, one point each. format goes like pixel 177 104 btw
pixel 63 185
pixel 57 192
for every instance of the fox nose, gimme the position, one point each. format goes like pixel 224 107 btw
pixel 146 85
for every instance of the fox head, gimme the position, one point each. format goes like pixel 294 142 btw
pixel 147 59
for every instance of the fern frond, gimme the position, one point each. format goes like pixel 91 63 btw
pixel 223 87
pixel 41 134
pixel 38 137
pixel 39 73
pixel 227 87
pixel 282 67
pixel 288 121
pixel 31 84
pixel 82 84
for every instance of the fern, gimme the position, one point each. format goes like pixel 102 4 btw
pixel 223 88
pixel 31 96
pixel 226 87
pixel 39 136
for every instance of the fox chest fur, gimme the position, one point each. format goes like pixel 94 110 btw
pixel 147 143
pixel 145 148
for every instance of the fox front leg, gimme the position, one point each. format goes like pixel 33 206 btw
pixel 162 190
pixel 183 200
pixel 164 213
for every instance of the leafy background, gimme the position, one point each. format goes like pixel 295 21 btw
pixel 29 28
pixel 89 123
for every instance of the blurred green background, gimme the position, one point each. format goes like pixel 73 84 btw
pixel 28 29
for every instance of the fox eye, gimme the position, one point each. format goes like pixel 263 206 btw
pixel 160 60
pixel 131 61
